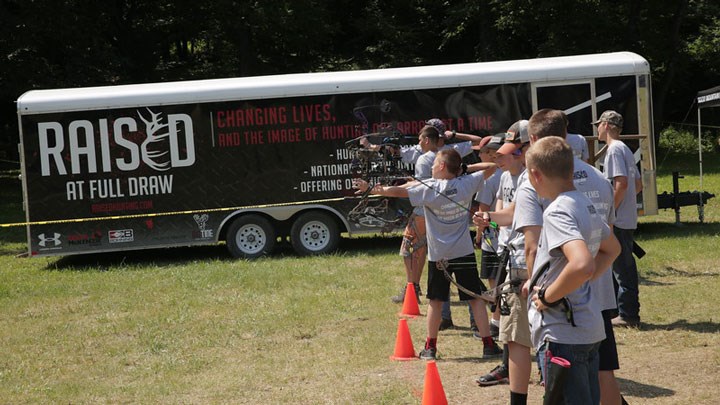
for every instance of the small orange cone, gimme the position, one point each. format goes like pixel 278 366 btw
pixel 433 392
pixel 404 349
pixel 410 306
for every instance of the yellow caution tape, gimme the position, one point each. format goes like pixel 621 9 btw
pixel 161 214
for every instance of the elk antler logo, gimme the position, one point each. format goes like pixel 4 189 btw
pixel 155 148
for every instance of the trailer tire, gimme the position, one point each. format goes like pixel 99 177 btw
pixel 314 233
pixel 251 236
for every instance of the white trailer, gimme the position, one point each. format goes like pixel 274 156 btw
pixel 257 160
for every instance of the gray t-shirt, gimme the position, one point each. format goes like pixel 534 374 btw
pixel 591 182
pixel 446 205
pixel 619 161
pixel 579 146
pixel 529 209
pixel 423 171
pixel 571 216
pixel 506 193
pixel 488 196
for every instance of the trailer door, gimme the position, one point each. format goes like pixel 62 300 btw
pixel 573 97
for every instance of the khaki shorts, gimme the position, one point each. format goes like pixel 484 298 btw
pixel 516 326
pixel 414 237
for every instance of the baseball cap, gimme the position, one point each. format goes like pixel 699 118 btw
pixel 516 136
pixel 438 124
pixel 483 143
pixel 496 141
pixel 611 117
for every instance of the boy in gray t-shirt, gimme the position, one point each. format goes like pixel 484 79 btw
pixel 446 199
pixel 575 245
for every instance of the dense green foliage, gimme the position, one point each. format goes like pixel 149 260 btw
pixel 72 43
pixel 684 140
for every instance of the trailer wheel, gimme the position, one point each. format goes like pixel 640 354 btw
pixel 314 233
pixel 251 236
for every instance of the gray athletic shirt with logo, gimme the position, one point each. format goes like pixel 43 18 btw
pixel 446 217
pixel 591 182
pixel 571 216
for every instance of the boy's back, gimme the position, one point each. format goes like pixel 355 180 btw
pixel 446 203
pixel 598 190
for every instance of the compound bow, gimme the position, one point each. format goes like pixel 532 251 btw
pixel 382 166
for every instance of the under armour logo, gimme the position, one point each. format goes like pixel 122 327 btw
pixel 44 241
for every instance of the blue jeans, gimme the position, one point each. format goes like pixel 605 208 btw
pixel 626 276
pixel 581 386
pixel 447 312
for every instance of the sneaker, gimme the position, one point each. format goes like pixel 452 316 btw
pixel 621 322
pixel 498 375
pixel 494 330
pixel 428 354
pixel 475 331
pixel 446 324
pixel 400 298
pixel 491 352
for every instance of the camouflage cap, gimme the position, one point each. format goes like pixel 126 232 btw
pixel 438 124
pixel 611 117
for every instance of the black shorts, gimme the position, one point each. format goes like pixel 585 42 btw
pixel 608 349
pixel 489 265
pixel 466 274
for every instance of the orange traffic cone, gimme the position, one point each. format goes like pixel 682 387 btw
pixel 433 392
pixel 410 306
pixel 404 349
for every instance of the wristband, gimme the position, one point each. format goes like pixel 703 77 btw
pixel 454 133
pixel 541 297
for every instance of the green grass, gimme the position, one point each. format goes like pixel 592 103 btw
pixel 193 325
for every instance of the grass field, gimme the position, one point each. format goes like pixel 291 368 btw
pixel 193 325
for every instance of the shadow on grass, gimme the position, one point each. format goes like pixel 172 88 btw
pixel 636 389
pixel 653 283
pixel 466 359
pixel 129 259
pixel 682 324
pixel 667 271
pixel 656 230
pixel 349 247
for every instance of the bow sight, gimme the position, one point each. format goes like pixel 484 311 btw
pixel 383 162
